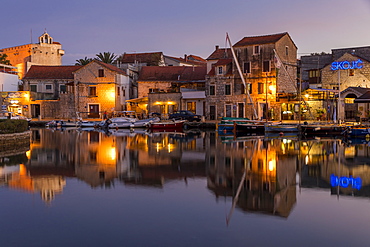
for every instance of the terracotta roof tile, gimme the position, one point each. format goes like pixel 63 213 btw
pixel 140 57
pixel 259 40
pixel 111 67
pixel 220 53
pixel 172 73
pixel 188 61
pixel 51 72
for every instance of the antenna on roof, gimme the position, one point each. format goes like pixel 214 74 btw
pixel 31 35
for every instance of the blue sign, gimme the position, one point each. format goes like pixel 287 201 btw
pixel 344 182
pixel 347 65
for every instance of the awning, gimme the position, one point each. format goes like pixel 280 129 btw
pixel 138 100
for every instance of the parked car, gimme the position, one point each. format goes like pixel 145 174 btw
pixel 185 115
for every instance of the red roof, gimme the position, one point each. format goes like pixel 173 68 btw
pixel 221 62
pixel 172 73
pixel 259 40
pixel 188 61
pixel 110 67
pixel 51 72
pixel 220 53
pixel 140 57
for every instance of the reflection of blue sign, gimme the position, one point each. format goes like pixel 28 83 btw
pixel 344 182
pixel 347 65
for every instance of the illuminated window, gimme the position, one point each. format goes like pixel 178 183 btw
pixel 191 106
pixel 351 72
pixel 261 88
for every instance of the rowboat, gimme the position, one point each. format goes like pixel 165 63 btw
pixel 281 128
pixel 167 125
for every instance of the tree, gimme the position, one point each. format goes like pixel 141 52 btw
pixel 4 60
pixel 83 61
pixel 106 57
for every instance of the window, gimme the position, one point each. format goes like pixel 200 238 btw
pixel 247 67
pixel 261 88
pixel 256 49
pixel 101 72
pixel 212 90
pixel 228 111
pixel 266 66
pixel 48 87
pixel 63 88
pixel 92 91
pixel 191 106
pixel 123 92
pixel 220 70
pixel 227 89
pixel 33 88
pixel 118 91
pixel 286 50
pixel 249 85
pixel 351 72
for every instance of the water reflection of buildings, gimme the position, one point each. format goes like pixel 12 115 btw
pixel 259 175
pixel 161 157
pixel 335 165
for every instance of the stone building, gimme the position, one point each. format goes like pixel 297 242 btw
pixel 100 88
pixel 69 92
pixel 45 52
pixel 269 67
pixel 347 71
pixel 51 91
pixel 165 89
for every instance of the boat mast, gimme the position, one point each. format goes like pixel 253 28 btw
pixel 241 76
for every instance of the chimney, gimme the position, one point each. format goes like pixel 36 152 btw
pixel 185 57
pixel 217 47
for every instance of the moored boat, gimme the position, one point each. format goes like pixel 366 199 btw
pixel 323 130
pixel 358 131
pixel 167 125
pixel 281 128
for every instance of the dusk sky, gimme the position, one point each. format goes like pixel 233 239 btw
pixel 87 27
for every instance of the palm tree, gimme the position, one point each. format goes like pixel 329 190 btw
pixel 83 61
pixel 4 60
pixel 106 57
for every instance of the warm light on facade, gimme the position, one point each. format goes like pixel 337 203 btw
pixel 272 165
pixel 112 153
pixel 28 154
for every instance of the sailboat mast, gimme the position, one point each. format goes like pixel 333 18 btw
pixel 241 75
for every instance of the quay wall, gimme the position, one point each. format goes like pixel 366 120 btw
pixel 11 144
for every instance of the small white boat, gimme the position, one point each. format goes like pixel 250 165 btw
pixel 126 122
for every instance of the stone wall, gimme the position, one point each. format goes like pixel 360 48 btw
pixel 11 144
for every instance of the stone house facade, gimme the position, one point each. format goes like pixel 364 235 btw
pixel 100 88
pixel 163 87
pixel 69 92
pixel 346 72
pixel 51 91
pixel 269 67
pixel 45 52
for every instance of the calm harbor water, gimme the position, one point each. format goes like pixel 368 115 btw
pixel 89 188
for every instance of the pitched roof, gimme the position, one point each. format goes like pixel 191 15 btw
pixel 221 62
pixel 196 58
pixel 51 72
pixel 140 57
pixel 220 53
pixel 110 67
pixel 259 40
pixel 172 73
pixel 188 61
